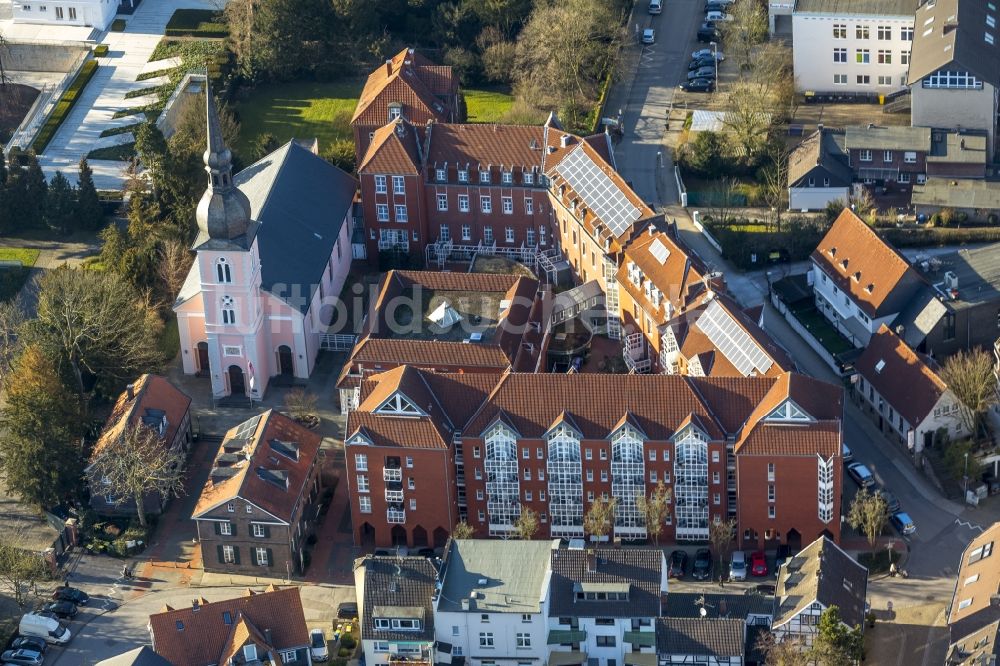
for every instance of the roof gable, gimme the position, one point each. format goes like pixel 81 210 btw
pixel 153 399
pixel 395 149
pixel 408 79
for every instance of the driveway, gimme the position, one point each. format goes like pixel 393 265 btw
pixel 93 113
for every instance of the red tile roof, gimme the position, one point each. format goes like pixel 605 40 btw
pixel 410 79
pixel 395 148
pixel 769 439
pixel 878 278
pixel 189 637
pixel 904 379
pixel 681 278
pixel 487 145
pixel 264 456
pixel 149 392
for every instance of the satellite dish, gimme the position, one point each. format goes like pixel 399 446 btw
pixel 702 611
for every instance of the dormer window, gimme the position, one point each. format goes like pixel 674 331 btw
pixel 844 263
pixel 832 251
pixel 395 110
pixel 484 175
pixel 398 618
pixel 870 288
pixel 250 652
pixel 223 271
pixel 600 592
pixel 463 175
pixel 857 276
pixel 441 174
pixel 788 411
pixel 528 178
pixel 507 177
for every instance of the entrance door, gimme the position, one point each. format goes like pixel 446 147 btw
pixel 285 365
pixel 236 384
pixel 203 367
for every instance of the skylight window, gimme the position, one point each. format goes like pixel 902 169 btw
pixel 964 603
pixel 880 365
pixel 988 37
pixel 971 579
pixel 981 553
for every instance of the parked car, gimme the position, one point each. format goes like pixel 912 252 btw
pixel 903 523
pixel 655 6
pixel 22 657
pixel 783 555
pixel 891 501
pixel 707 53
pixel 724 3
pixel 717 17
pixel 698 85
pixel 715 7
pixel 29 643
pixel 846 453
pixel 78 597
pixel 347 610
pixel 678 564
pixel 707 33
pixel 45 627
pixel 61 609
pixel 426 552
pixel 702 564
pixel 698 63
pixel 738 566
pixel 702 73
pixel 318 649
pixel 758 563
pixel 648 36
pixel 861 475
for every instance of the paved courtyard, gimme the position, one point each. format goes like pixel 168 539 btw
pixel 128 53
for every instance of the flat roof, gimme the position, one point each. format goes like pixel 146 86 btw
pixel 977 270
pixel 888 138
pixel 496 576
pixel 958 148
pixel 957 193
pixel 856 7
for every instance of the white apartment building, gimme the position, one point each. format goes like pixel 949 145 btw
pixel 493 603
pixel 94 13
pixel 852 46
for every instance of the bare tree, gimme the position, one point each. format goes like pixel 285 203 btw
pixel 788 652
pixel 19 569
pixel 175 262
pixel 723 193
pixel 463 530
pixel 11 318
pixel 655 509
pixel 868 514
pixel 300 404
pixel 600 520
pixel 969 376
pixel 721 535
pixel 774 182
pixel 526 525
pixel 761 95
pixel 138 463
pixel 746 29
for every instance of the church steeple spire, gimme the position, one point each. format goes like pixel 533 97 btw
pixel 224 211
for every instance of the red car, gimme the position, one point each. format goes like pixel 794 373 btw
pixel 758 563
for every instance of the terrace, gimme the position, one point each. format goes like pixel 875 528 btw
pixel 480 314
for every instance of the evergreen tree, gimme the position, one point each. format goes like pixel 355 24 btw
pixel 5 217
pixel 90 213
pixel 60 205
pixel 40 454
pixel 3 169
pixel 27 191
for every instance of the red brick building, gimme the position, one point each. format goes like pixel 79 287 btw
pixel 407 86
pixel 763 450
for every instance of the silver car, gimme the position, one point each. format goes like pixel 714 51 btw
pixel 738 566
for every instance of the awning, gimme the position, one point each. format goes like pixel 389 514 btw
pixel 562 636
pixel 641 659
pixel 574 658
pixel 640 638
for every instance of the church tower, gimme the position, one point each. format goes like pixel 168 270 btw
pixel 229 265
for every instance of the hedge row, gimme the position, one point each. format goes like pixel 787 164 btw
pixel 925 237
pixel 205 23
pixel 63 106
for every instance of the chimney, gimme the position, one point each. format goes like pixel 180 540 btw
pixel 564 140
pixel 650 231
pixel 962 144
pixel 194 605
pixel 465 604
pixel 995 600
pixel 591 560
pixel 723 607
pixel 819 127
pixel 267 637
pixel 130 391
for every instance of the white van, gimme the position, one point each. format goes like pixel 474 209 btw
pixel 39 626
pixel 655 6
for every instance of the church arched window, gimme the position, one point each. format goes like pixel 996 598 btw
pixel 228 310
pixel 224 271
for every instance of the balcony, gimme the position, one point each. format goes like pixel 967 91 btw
pixel 389 474
pixel 393 495
pixel 395 516
pixel 566 636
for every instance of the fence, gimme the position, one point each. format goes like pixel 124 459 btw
pixel 337 341
pixel 696 218
pixel 681 190
pixel 43 107
pixel 806 336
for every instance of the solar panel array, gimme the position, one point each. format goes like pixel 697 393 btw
pixel 598 191
pixel 247 428
pixel 735 343
pixel 659 251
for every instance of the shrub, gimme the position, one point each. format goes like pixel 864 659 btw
pixel 992 219
pixel 925 237
pixel 205 23
pixel 101 50
pixel 348 641
pixel 343 652
pixel 118 25
pixel 63 106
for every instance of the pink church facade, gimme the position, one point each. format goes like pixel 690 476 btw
pixel 273 254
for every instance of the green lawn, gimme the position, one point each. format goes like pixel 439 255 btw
pixel 301 109
pixel 119 153
pixel 12 277
pixel 823 330
pixel 487 105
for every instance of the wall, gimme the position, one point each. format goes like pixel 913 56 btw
pixel 96 13
pixel 814 198
pixel 43 57
pixel 975 326
pixel 813 45
pixel 895 164
pixel 413 198
pixel 503 626
pixel 950 109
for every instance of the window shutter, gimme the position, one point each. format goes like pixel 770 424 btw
pixel 222 557
pixel 236 554
pixel 270 558
pixel 218 527
pixel 267 531
pixel 232 527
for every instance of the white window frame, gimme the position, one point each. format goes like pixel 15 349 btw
pixel 486 203
pixel 463 203
pixel 442 201
pixel 402 215
pixel 228 554
pixel 260 556
pixel 382 212
pixel 258 530
pixel 398 185
pixel 380 184
pixel 226 528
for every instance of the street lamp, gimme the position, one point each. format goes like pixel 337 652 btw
pixel 715 61
pixel 965 475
